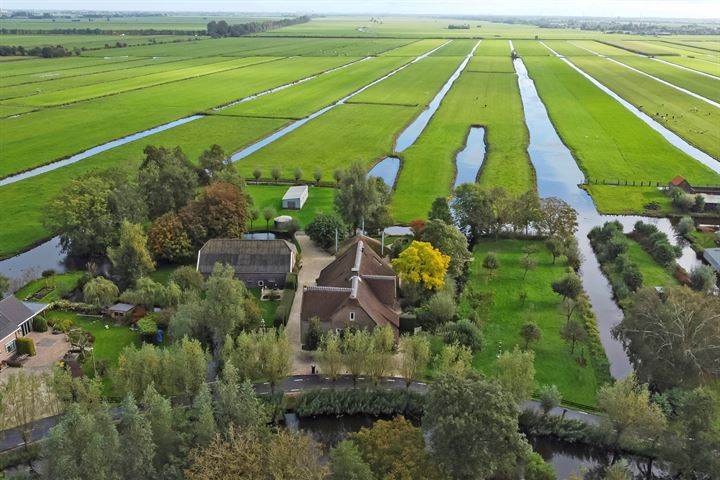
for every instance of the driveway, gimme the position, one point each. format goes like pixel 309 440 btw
pixel 314 259
pixel 50 350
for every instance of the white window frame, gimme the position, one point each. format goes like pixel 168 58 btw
pixel 261 283
pixel 11 346
pixel 352 316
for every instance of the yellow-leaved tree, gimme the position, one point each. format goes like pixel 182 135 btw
pixel 423 264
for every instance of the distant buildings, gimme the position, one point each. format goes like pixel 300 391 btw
pixel 710 193
pixel 258 263
pixel 358 289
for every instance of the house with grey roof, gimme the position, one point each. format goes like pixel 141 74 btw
pixel 258 263
pixel 358 289
pixel 712 256
pixel 15 321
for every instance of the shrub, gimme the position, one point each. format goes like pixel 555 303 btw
pixel 549 398
pixel 633 277
pixel 645 229
pixel 358 402
pixel 465 333
pixel 291 281
pixel 40 324
pixel 25 345
pixel 314 334
pixel 47 273
pixel 699 203
pixel 147 325
pixel 63 325
pixel 685 225
pixel 323 227
pixel 702 278
pixel 491 262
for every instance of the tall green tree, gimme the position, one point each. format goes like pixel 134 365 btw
pixel 202 417
pixel 450 241
pixel 159 414
pixel 213 159
pixel 137 449
pixel 569 287
pixel 330 355
pixel 672 339
pixel 440 210
pixel 274 357
pixel 100 291
pixel 414 357
pixel 358 198
pixel 516 373
pixel 346 463
pixel 223 308
pixel 85 444
pixel 473 423
pixel 130 258
pixel 356 347
pixel 167 178
pixel 629 413
pixel 237 404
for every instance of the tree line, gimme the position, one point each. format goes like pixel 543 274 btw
pixel 223 29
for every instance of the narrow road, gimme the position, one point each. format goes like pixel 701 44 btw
pixel 12 439
pixel 314 259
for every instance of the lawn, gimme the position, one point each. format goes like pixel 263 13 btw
pixel 621 200
pixel 110 339
pixel 699 64
pixel 654 274
pixel 59 285
pixel 320 200
pixel 267 308
pixel 554 364
pixel 490 100
pixel 694 120
pixel 607 140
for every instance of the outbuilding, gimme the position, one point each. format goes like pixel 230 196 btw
pixel 258 263
pixel 295 197
pixel 712 256
pixel 121 311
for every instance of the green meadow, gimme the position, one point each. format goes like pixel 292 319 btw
pixel 554 363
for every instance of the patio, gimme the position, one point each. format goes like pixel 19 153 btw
pixel 50 350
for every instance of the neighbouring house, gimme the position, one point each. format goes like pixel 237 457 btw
pixel 295 197
pixel 121 311
pixel 712 256
pixel 710 193
pixel 359 288
pixel 16 321
pixel 258 263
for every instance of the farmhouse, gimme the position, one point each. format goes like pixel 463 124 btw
pixel 258 263
pixel 15 321
pixel 295 197
pixel 357 289
pixel 710 193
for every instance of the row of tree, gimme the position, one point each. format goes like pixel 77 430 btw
pixel 223 29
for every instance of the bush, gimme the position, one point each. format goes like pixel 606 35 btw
pixel 702 278
pixel 645 229
pixel 491 262
pixel 47 273
pixel 314 334
pixel 360 402
pixel 633 277
pixel 685 225
pixel 25 345
pixel 291 281
pixel 40 324
pixel 323 227
pixel 465 333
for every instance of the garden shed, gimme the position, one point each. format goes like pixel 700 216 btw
pixel 295 197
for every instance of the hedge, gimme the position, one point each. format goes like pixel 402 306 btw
pixel 40 324
pixel 25 345
pixel 291 280
pixel 374 402
pixel 76 307
pixel 283 310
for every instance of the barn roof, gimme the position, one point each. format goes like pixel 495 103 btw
pixel 295 192
pixel 246 256
pixel 679 180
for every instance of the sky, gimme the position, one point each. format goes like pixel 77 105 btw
pixel 701 9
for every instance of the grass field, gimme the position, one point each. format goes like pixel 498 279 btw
pixel 554 363
pixel 490 100
pixel 620 200
pixel 87 41
pixel 59 285
pixel 156 22
pixel 90 123
pixel 608 141
pixel 691 118
pixel 320 200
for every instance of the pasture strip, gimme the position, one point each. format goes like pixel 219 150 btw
pixel 672 109
pixel 607 140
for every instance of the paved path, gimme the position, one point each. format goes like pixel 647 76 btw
pixel 314 260
pixel 11 439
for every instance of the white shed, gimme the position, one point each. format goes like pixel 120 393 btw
pixel 295 197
